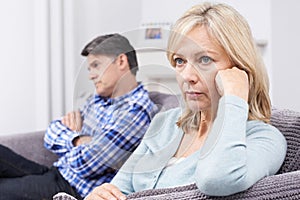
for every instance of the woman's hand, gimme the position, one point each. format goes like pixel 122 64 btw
pixel 106 191
pixel 233 81
pixel 72 120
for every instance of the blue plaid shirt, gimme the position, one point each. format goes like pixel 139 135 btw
pixel 117 126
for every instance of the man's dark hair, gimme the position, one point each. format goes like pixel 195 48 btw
pixel 112 45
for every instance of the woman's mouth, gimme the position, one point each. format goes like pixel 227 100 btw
pixel 193 95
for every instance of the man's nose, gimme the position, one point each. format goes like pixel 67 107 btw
pixel 93 74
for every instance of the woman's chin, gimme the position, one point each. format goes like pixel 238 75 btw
pixel 196 106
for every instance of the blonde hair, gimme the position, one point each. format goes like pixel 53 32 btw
pixel 232 32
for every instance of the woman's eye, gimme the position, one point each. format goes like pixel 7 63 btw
pixel 179 61
pixel 205 60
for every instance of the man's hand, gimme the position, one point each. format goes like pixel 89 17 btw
pixel 72 120
pixel 106 191
pixel 83 139
pixel 233 82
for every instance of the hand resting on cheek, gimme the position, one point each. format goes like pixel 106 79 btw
pixel 233 81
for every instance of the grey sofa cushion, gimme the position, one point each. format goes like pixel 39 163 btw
pixel 283 186
pixel 29 145
pixel 288 122
pixel 165 101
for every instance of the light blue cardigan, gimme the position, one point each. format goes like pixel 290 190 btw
pixel 236 154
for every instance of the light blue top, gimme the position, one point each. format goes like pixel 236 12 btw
pixel 236 154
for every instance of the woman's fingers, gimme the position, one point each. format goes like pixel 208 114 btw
pixel 106 191
pixel 233 81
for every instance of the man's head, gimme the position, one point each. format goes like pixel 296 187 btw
pixel 112 45
pixel 110 59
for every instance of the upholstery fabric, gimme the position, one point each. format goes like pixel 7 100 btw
pixel 288 122
pixel 29 145
pixel 165 101
pixel 283 186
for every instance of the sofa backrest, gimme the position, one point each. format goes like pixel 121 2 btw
pixel 288 122
pixel 165 101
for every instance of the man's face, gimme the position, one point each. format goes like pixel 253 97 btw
pixel 104 72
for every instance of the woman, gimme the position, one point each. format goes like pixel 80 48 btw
pixel 222 140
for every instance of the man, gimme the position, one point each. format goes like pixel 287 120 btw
pixel 94 142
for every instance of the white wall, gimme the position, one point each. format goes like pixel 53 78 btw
pixel 286 54
pixel 96 17
pixel 17 72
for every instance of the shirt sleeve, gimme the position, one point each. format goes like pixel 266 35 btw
pixel 235 155
pixel 112 147
pixel 58 138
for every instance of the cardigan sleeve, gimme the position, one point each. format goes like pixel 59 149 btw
pixel 237 152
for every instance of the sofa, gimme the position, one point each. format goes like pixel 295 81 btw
pixel 284 185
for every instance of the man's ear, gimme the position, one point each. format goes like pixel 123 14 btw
pixel 122 62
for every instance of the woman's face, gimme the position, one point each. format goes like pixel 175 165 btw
pixel 198 60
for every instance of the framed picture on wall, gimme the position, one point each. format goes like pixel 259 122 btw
pixel 154 35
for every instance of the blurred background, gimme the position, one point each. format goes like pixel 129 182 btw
pixel 43 76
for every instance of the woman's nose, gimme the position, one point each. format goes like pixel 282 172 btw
pixel 189 73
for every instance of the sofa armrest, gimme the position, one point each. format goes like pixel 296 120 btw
pixel 281 186
pixel 30 145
